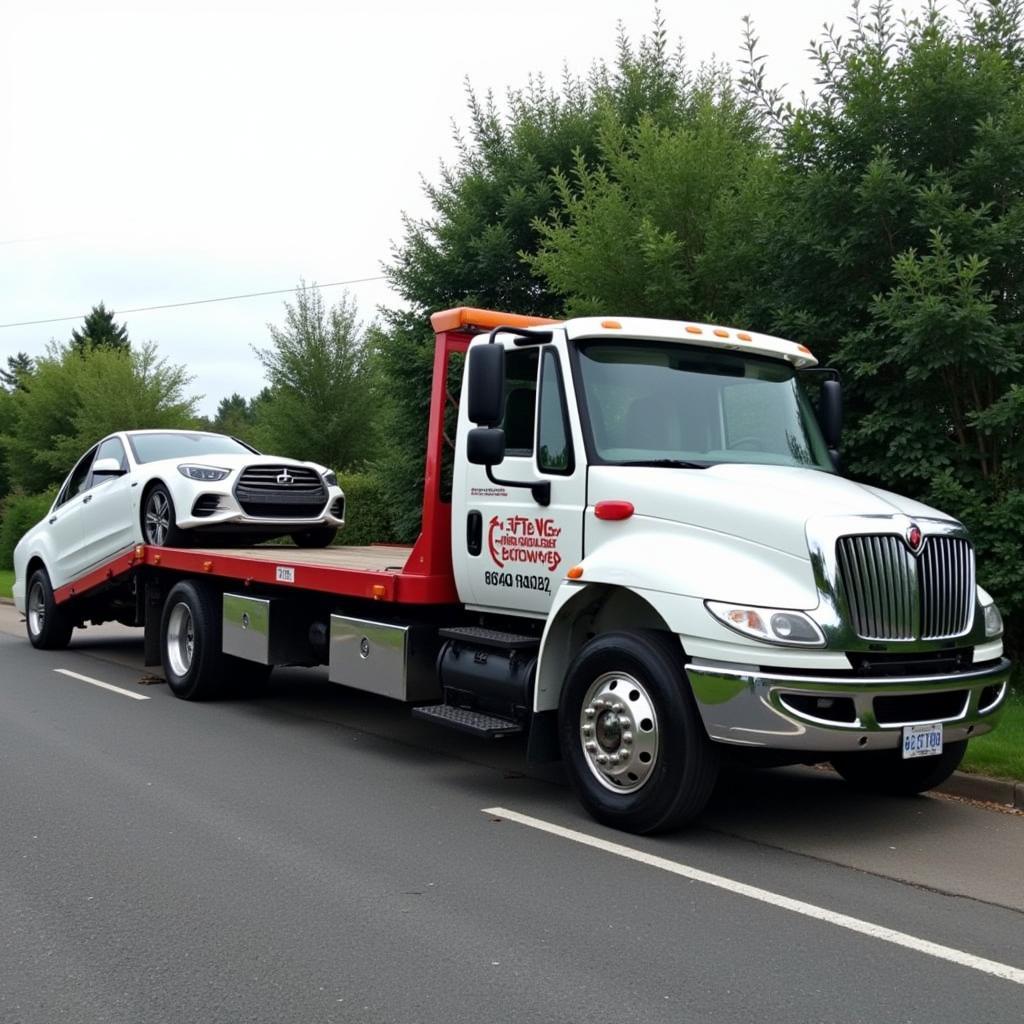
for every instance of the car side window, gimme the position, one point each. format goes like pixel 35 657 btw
pixel 110 449
pixel 79 478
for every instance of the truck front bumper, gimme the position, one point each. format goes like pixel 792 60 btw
pixel 746 706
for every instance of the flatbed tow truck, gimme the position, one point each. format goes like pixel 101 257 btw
pixel 669 572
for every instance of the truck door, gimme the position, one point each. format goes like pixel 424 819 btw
pixel 510 552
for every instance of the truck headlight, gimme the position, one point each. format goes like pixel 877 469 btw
pixel 990 611
pixel 205 474
pixel 772 625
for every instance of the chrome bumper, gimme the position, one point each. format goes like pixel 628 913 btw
pixel 748 707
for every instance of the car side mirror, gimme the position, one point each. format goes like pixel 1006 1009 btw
pixel 107 467
pixel 486 384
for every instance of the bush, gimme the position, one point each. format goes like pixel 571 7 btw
pixel 367 512
pixel 18 514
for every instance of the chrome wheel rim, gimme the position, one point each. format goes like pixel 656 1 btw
pixel 619 732
pixel 36 609
pixel 181 639
pixel 158 518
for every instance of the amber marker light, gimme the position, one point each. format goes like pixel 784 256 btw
pixel 612 325
pixel 690 329
pixel 719 333
pixel 743 336
pixel 575 572
pixel 614 509
pixel 379 591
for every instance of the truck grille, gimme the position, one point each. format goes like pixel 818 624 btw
pixel 281 492
pixel 893 595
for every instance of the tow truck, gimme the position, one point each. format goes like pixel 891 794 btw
pixel 638 550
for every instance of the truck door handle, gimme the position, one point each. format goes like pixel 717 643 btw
pixel 474 533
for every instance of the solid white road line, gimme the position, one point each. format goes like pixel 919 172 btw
pixel 99 682
pixel 853 924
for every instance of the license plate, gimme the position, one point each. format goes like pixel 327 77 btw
pixel 922 740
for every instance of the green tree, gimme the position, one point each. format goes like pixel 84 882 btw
pixel 320 404
pixel 100 330
pixel 900 251
pixel 75 398
pixel 19 368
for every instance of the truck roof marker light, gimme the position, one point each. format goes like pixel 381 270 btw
pixel 690 329
pixel 719 333
pixel 575 572
pixel 614 510
pixel 743 336
pixel 612 325
pixel 804 348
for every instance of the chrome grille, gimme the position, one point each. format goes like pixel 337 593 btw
pixel 879 578
pixel 263 493
pixel 893 595
pixel 265 478
pixel 946 568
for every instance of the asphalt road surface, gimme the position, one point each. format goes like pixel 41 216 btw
pixel 315 855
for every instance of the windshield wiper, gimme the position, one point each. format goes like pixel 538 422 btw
pixel 669 463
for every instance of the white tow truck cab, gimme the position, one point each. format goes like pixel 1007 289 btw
pixel 648 561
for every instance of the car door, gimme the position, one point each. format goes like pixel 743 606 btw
pixel 523 549
pixel 65 527
pixel 107 520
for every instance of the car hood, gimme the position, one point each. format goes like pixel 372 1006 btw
pixel 232 462
pixel 768 505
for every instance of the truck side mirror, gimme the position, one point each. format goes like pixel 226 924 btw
pixel 831 412
pixel 485 446
pixel 486 385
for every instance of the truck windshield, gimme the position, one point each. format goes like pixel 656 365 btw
pixel 653 403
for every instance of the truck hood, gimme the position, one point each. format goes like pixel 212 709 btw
pixel 768 505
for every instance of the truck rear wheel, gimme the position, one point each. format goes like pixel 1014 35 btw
pixel 46 622
pixel 638 756
pixel 885 771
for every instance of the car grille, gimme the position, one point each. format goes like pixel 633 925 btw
pixel 281 492
pixel 893 595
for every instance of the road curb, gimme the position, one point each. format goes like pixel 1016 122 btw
pixel 981 787
pixel 6 600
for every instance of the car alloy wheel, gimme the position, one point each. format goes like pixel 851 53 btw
pixel 157 518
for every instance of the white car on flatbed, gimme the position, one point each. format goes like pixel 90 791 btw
pixel 172 488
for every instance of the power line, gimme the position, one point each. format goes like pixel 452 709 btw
pixel 198 302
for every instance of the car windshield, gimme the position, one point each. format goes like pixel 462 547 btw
pixel 154 447
pixel 652 403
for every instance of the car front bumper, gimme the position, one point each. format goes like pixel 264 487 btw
pixel 746 706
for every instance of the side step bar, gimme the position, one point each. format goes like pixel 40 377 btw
pixel 477 723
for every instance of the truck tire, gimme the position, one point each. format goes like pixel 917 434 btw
pixel 315 537
pixel 159 520
pixel 46 622
pixel 638 756
pixel 190 642
pixel 886 772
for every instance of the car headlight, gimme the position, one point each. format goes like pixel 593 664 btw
pixel 990 612
pixel 331 478
pixel 772 625
pixel 205 474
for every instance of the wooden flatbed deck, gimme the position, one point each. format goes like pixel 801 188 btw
pixel 378 573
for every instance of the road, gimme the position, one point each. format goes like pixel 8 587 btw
pixel 315 855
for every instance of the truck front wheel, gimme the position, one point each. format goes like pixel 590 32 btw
pixel 885 771
pixel 638 756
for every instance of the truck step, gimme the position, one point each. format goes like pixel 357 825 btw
pixel 475 722
pixel 481 637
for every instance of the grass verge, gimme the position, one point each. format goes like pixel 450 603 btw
pixel 6 582
pixel 1000 753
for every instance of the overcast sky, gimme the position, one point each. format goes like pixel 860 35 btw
pixel 158 152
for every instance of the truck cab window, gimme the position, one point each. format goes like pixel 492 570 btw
pixel 554 444
pixel 520 400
